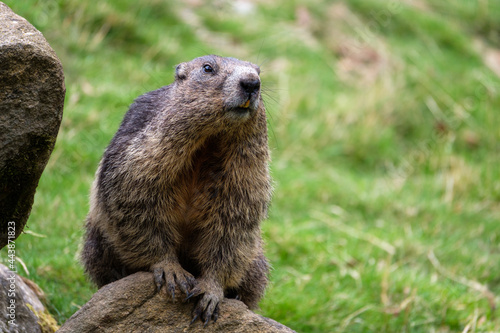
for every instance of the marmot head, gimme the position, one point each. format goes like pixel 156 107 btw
pixel 230 85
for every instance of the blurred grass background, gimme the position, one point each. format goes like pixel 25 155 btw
pixel 384 130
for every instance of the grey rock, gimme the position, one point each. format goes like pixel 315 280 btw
pixel 20 308
pixel 133 305
pixel 31 102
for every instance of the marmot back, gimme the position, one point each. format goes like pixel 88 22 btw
pixel 183 186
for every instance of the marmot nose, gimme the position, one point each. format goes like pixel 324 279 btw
pixel 250 85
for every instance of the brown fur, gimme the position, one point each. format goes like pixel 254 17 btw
pixel 183 186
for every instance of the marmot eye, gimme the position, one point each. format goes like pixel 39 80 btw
pixel 207 69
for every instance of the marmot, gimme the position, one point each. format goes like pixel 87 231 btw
pixel 183 186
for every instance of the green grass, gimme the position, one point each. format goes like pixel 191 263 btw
pixel 385 141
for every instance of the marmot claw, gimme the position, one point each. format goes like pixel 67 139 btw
pixel 207 309
pixel 172 275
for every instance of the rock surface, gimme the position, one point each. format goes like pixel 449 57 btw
pixel 133 305
pixel 31 102
pixel 20 308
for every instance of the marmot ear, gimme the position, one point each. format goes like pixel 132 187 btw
pixel 180 71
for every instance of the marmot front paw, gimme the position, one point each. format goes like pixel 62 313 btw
pixel 207 307
pixel 172 274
